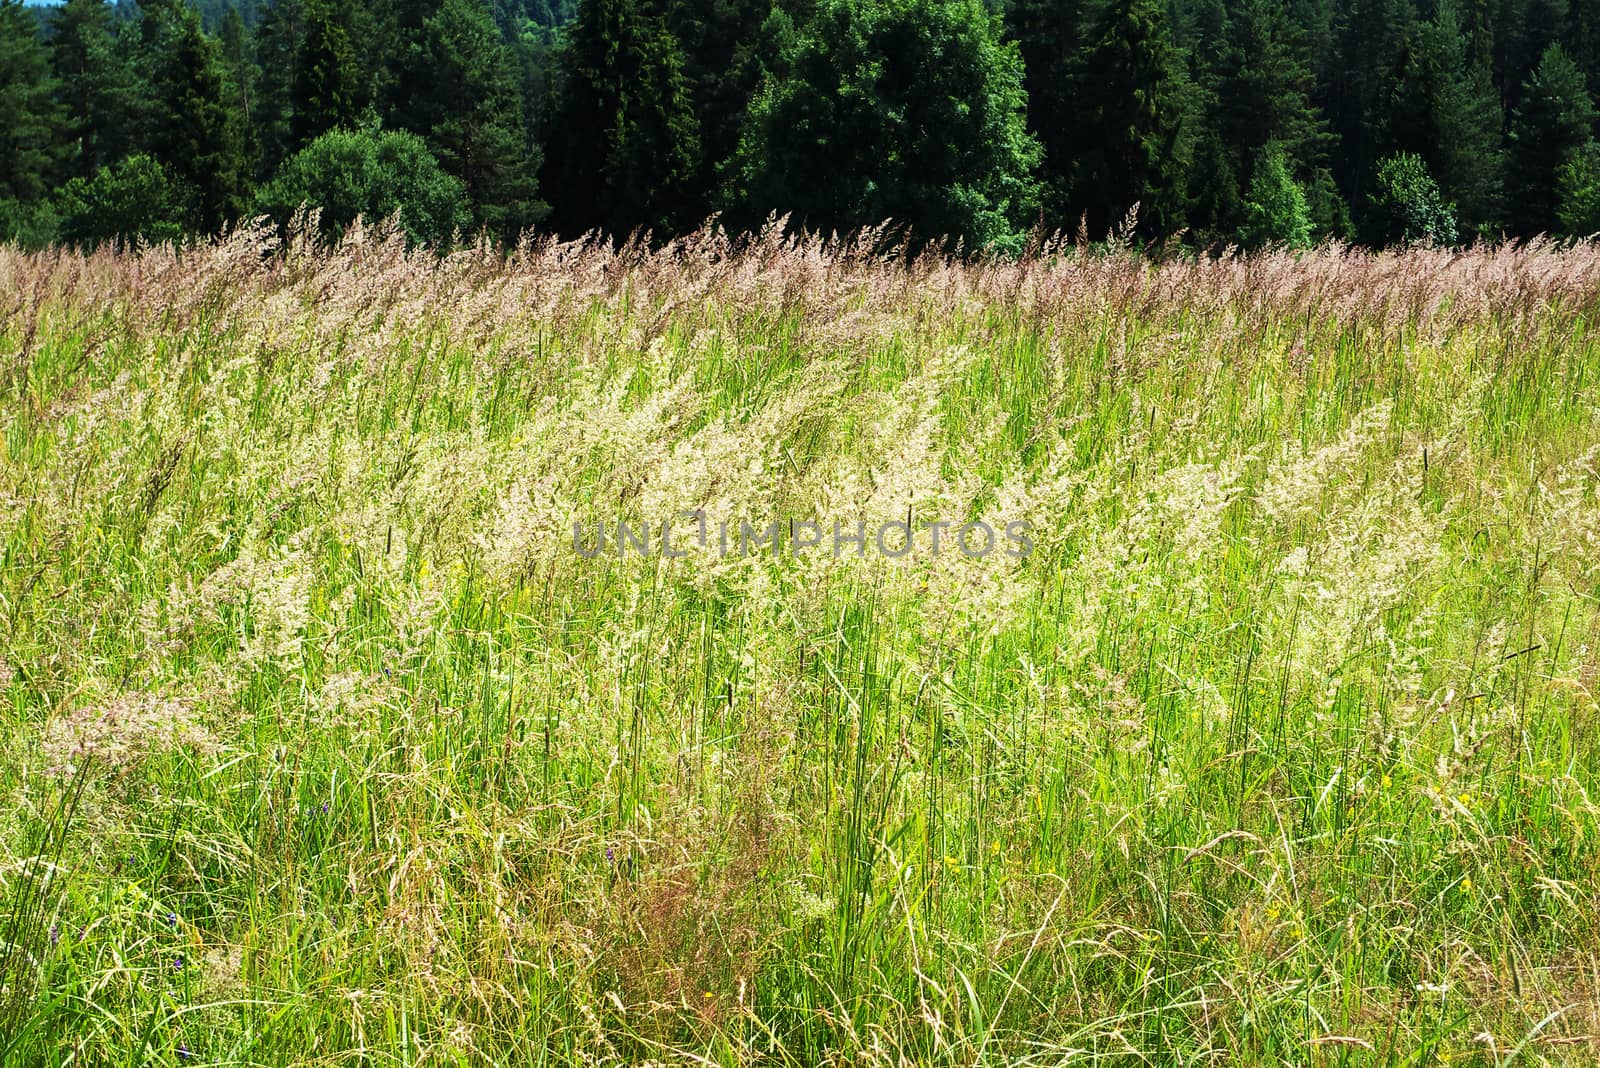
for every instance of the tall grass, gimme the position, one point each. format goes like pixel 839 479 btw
pixel 1280 747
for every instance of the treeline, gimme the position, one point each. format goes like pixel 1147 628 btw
pixel 1226 121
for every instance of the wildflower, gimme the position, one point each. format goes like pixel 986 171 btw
pixel 1388 781
pixel 1466 884
pixel 55 934
pixel 172 920
pixel 177 963
pixel 610 855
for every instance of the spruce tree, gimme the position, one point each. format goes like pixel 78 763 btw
pixel 193 134
pixel 1443 107
pixel 277 51
pixel 469 111
pixel 1552 126
pixel 1263 95
pixel 30 133
pixel 725 46
pixel 1050 37
pixel 96 84
pixel 903 110
pixel 624 119
pixel 327 91
pixel 1135 137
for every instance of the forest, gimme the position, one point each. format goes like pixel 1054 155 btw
pixel 1205 123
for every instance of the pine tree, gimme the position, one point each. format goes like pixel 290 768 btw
pixel 1552 125
pixel 1135 143
pixel 725 47
pixel 194 134
pixel 277 51
pixel 96 84
pixel 30 133
pixel 1050 36
pixel 623 116
pixel 903 110
pixel 1263 96
pixel 469 112
pixel 1443 107
pixel 328 90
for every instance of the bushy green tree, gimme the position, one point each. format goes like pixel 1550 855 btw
pixel 1275 209
pixel 1407 207
pixel 623 115
pixel 131 198
pixel 373 174
pixel 910 110
pixel 1554 121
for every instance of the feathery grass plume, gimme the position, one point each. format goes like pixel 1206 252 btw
pixel 1279 744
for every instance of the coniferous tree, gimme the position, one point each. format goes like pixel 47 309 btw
pixel 1135 143
pixel 1263 97
pixel 1372 39
pixel 1552 126
pixel 902 110
pixel 30 133
pixel 469 111
pixel 96 84
pixel 327 91
pixel 277 52
pixel 726 46
pixel 629 146
pixel 193 133
pixel 1050 36
pixel 1443 107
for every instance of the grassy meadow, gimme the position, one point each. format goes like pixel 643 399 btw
pixel 324 743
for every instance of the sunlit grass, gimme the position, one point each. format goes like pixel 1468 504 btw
pixel 324 745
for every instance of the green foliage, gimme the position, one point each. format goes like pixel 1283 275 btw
pixel 728 47
pixel 1444 107
pixel 1133 141
pixel 1553 122
pixel 98 86
pixel 459 93
pixel 1260 90
pixel 1407 207
pixel 130 199
pixel 328 90
pixel 625 119
pixel 374 174
pixel 194 134
pixel 1578 191
pixel 30 117
pixel 1276 212
pixel 903 110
